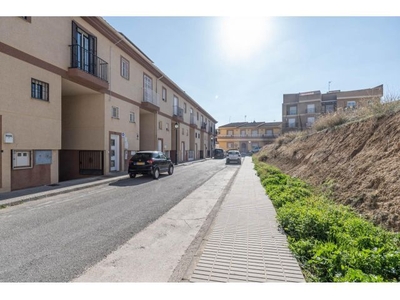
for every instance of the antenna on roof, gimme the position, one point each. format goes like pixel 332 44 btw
pixel 245 118
pixel 329 86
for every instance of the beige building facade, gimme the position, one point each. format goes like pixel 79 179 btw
pixel 79 98
pixel 299 111
pixel 247 136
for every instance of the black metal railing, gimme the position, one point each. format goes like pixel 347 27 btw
pixel 85 60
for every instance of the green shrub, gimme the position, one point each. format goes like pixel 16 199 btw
pixel 331 242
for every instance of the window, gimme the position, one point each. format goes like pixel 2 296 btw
pixel 184 107
pixel 230 132
pixel 230 145
pixel 160 125
pixel 254 133
pixel 132 117
pixel 176 105
pixel 39 90
pixel 293 110
pixel 310 121
pixel 115 112
pixel 84 48
pixel 148 88
pixel 124 68
pixel 310 108
pixel 197 116
pixel 351 104
pixel 242 132
pixel 183 131
pixel 269 132
pixel 164 94
pixel 329 108
pixel 292 123
pixel 167 126
pixel 22 159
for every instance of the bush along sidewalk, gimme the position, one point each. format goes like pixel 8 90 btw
pixel 331 242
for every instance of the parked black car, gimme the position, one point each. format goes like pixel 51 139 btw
pixel 151 163
pixel 219 153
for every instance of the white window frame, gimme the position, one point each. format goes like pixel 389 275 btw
pixel 19 162
pixel 124 68
pixel 115 112
pixel 132 117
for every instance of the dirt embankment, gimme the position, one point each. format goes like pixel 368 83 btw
pixel 359 163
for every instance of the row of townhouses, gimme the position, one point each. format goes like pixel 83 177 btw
pixel 79 98
pixel 299 112
pixel 247 136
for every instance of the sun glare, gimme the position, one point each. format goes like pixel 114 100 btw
pixel 243 37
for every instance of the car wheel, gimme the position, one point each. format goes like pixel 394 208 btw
pixel 156 173
pixel 132 175
pixel 170 170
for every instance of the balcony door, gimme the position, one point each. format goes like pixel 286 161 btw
pixel 148 88
pixel 84 50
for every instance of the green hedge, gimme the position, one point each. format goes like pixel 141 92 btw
pixel 331 242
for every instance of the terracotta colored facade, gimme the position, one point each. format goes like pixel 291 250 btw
pixel 247 136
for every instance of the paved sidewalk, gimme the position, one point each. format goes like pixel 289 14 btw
pixel 244 243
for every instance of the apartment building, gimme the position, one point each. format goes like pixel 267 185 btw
pixel 79 98
pixel 247 136
pixel 299 111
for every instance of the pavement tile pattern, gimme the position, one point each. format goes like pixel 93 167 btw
pixel 245 243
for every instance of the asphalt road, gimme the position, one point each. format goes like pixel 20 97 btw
pixel 57 238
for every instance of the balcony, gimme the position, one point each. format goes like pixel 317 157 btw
pixel 178 113
pixel 150 100
pixel 193 122
pixel 88 69
pixel 204 125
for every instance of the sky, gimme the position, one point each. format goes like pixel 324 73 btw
pixel 238 60
pixel 238 68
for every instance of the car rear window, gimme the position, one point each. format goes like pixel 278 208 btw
pixel 142 156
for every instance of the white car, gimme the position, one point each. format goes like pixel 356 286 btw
pixel 233 156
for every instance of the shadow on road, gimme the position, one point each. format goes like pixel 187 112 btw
pixel 140 179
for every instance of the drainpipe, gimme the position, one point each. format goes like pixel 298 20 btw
pixel 157 81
